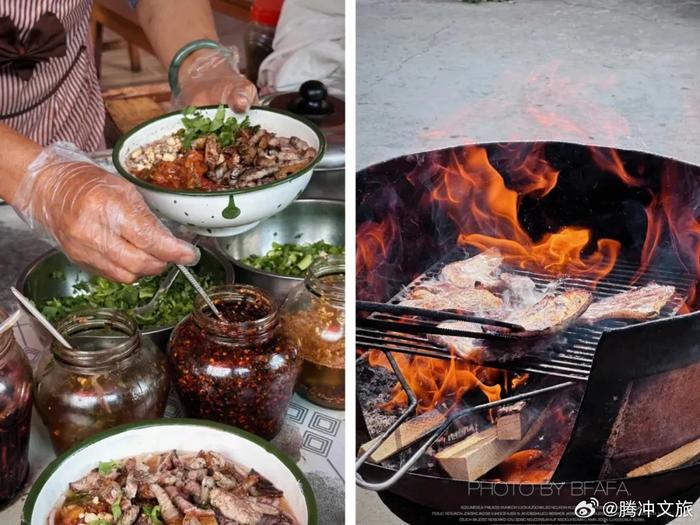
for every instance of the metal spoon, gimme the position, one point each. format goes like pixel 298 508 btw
pixel 10 322
pixel 198 288
pixel 165 285
pixel 24 301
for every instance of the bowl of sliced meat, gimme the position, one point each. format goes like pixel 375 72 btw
pixel 219 173
pixel 171 471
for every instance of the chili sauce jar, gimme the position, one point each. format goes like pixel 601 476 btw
pixel 314 312
pixel 240 370
pixel 111 376
pixel 15 414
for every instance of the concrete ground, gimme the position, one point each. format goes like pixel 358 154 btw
pixel 438 73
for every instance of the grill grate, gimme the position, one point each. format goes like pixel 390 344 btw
pixel 569 354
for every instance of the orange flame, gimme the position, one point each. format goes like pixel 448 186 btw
pixel 439 380
pixel 476 198
pixel 374 240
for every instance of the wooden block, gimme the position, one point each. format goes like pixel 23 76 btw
pixel 511 421
pixel 682 455
pixel 404 436
pixel 479 453
pixel 130 112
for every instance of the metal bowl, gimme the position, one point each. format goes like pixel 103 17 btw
pixel 304 221
pixel 38 281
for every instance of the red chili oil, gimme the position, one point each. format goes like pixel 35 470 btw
pixel 240 371
pixel 15 415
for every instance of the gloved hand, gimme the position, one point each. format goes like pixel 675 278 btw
pixel 211 76
pixel 99 220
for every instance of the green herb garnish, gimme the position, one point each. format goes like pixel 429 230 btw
pixel 292 259
pixel 105 468
pixel 225 130
pixel 116 508
pixel 102 293
pixel 153 514
pixel 99 521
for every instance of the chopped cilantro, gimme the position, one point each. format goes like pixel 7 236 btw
pixel 106 467
pixel 196 125
pixel 116 508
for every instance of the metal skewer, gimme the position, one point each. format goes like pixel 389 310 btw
pixel 24 301
pixel 198 288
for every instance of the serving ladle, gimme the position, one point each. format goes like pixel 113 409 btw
pixel 24 301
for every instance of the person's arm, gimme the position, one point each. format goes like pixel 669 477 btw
pixel 16 153
pixel 96 218
pixel 207 76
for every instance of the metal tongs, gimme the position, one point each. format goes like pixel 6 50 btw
pixel 385 317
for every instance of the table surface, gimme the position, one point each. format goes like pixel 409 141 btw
pixel 313 436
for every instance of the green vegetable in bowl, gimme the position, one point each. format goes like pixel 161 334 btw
pixel 292 259
pixel 99 292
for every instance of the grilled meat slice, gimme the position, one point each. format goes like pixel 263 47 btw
pixel 552 313
pixel 518 289
pixel 638 304
pixel 243 510
pixel 167 508
pixel 482 269
pixel 446 297
pixel 464 347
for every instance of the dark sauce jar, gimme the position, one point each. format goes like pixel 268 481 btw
pixel 15 414
pixel 240 371
pixel 111 376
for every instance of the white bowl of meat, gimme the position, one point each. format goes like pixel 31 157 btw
pixel 218 173
pixel 171 471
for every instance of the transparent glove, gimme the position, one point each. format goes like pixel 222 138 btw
pixel 213 78
pixel 96 218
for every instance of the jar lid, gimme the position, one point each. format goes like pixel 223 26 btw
pixel 313 102
pixel 266 12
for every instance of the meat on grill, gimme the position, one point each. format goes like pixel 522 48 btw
pixel 479 270
pixel 641 303
pixel 445 297
pixel 464 347
pixel 552 313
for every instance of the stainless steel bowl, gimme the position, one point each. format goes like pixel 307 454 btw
pixel 38 281
pixel 304 221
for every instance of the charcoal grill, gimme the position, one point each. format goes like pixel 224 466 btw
pixel 604 357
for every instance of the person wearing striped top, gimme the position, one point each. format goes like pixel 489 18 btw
pixel 51 111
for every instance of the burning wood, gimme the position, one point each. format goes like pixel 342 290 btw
pixel 511 421
pixel 482 451
pixel 404 436
pixel 677 458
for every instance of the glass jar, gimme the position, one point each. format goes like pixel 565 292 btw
pixel 315 313
pixel 240 371
pixel 111 376
pixel 15 414
pixel 260 34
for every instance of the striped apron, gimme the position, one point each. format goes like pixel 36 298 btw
pixel 48 84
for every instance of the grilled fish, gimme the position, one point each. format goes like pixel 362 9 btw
pixel 641 303
pixel 480 270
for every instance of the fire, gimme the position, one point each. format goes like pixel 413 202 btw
pixel 437 381
pixel 669 212
pixel 524 467
pixel 374 241
pixel 475 196
pixel 609 160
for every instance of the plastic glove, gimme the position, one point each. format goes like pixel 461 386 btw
pixel 99 220
pixel 213 78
